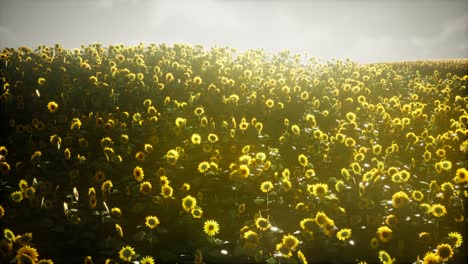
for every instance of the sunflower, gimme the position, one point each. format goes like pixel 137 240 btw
pixel 166 191
pixel 385 257
pixel 2 212
pixel 400 199
pixel 269 103
pixel 251 238
pixel 320 189
pixel 425 237
pixel 384 234
pixel 262 223
pixel 118 230
pixel 185 187
pixel 417 196
pixel 303 161
pixel 461 176
pixel 126 253
pixel 4 168
pixel 17 196
pixel 211 227
pixel 164 180
pixel 88 260
pixel 374 243
pixel 196 139
pixel 152 222
pixel 444 251
pixel 266 186
pixel 140 156
pixel 213 138
pixel 147 260
pixel 290 242
pixel 307 224
pixel 138 173
pixel 52 107
pixel 28 251
pixel 391 220
pixel 116 212
pixel 431 258
pixel 106 186
pixel 188 203
pixel 446 165
pixel 344 234
pixel 9 235
pixel 321 219
pixel 295 129
pixel 301 257
pixel 455 239
pixel 99 176
pixel 197 212
pixel 145 187
pixel 244 171
pixel 284 250
pixel 438 210
pixel 309 173
pixel 203 167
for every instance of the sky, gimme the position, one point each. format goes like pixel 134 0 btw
pixel 362 30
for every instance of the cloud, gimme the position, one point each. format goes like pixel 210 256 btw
pixel 106 4
pixel 451 41
pixel 6 37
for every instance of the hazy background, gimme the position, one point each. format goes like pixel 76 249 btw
pixel 363 30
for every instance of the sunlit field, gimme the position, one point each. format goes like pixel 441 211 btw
pixel 182 154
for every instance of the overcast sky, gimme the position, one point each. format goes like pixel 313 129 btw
pixel 363 30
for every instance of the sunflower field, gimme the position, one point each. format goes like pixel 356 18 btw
pixel 179 154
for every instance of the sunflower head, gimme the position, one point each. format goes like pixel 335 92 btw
pixel 151 222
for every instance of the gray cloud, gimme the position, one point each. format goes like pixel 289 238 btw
pixel 363 30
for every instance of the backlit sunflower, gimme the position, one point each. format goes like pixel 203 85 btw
pixel 203 167
pixel 455 239
pixel 262 223
pixel 400 199
pixel 444 251
pixel 185 187
pixel 266 186
pixel 461 176
pixel 147 260
pixel 188 203
pixel 438 210
pixel 290 242
pixel 343 234
pixel 52 107
pixel 213 138
pixel 166 191
pixel 211 227
pixel 17 196
pixel 196 139
pixel 197 212
pixel 244 171
pixel 152 222
pixel 431 258
pixel 126 253
pixel 303 161
pixel 320 189
pixel 384 234
pixel 321 219
pixel 29 251
pixel 138 173
pixel 417 196
pixel 145 187
pixel 384 257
